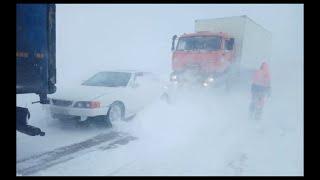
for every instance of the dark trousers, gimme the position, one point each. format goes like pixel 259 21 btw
pixel 258 95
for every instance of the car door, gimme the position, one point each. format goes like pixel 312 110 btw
pixel 142 91
pixel 156 86
pixel 132 95
pixel 150 88
pixel 128 96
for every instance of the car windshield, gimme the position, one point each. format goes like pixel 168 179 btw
pixel 207 43
pixel 108 79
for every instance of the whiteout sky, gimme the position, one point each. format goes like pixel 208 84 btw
pixel 98 36
pixel 213 129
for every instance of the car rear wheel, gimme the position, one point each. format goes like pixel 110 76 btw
pixel 115 114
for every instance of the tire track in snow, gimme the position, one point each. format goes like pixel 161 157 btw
pixel 45 160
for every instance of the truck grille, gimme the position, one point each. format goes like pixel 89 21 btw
pixel 59 102
pixel 193 66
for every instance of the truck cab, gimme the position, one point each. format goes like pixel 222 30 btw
pixel 204 53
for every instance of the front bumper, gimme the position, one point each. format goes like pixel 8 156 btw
pixel 201 81
pixel 71 111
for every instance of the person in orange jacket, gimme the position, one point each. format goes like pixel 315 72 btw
pixel 260 88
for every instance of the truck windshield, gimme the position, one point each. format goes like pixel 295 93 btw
pixel 108 79
pixel 207 43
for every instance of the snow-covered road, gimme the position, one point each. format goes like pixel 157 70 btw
pixel 199 134
pixel 45 160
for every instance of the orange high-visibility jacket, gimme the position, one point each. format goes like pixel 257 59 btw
pixel 262 76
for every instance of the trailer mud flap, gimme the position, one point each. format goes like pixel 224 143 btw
pixel 22 115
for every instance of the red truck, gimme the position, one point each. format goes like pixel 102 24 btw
pixel 218 50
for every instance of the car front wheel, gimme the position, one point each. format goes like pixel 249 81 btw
pixel 115 114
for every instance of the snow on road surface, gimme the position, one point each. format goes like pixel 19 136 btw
pixel 45 160
pixel 56 134
pixel 198 134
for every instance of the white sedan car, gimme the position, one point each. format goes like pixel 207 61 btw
pixel 109 95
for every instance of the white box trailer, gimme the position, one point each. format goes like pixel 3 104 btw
pixel 252 41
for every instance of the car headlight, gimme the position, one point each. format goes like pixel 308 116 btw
pixel 87 104
pixel 205 84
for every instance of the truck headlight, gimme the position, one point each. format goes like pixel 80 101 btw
pixel 174 77
pixel 210 79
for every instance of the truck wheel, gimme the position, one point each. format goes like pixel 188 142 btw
pixel 115 113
